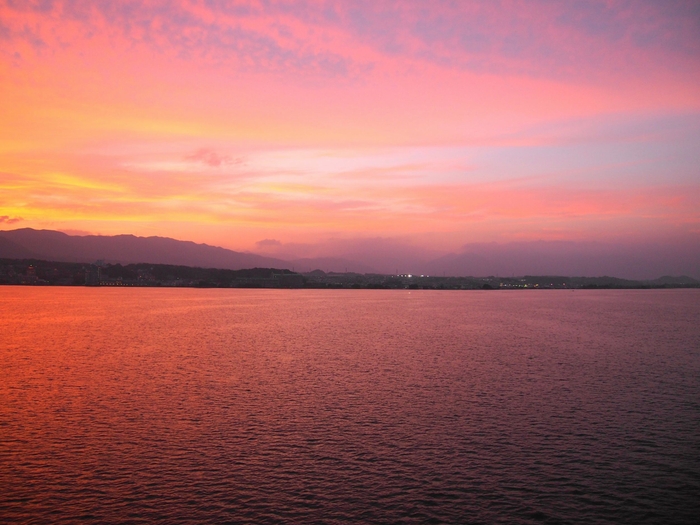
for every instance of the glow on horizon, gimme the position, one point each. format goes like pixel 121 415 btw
pixel 436 123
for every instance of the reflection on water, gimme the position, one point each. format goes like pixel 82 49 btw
pixel 325 406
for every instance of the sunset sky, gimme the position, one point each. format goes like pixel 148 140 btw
pixel 290 126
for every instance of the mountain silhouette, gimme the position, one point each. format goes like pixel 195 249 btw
pixel 57 246
pixel 570 258
pixel 12 250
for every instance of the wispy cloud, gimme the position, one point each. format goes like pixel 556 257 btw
pixel 211 158
pixel 301 121
pixel 268 242
pixel 346 38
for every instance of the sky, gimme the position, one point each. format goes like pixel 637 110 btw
pixel 303 129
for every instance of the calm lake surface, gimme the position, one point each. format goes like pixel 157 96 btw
pixel 360 406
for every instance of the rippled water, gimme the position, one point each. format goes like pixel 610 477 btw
pixel 207 406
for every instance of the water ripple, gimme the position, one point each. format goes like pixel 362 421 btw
pixel 272 406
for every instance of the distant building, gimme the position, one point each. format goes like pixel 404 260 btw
pixel 31 277
pixel 93 276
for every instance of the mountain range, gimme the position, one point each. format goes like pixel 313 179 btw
pixel 27 243
pixel 516 258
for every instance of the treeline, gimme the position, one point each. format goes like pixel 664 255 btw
pixel 34 271
pixel 167 272
pixel 40 272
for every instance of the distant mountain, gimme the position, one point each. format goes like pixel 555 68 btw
pixel 58 246
pixel 641 262
pixel 670 279
pixel 11 250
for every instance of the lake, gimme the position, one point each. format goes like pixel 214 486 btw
pixel 354 406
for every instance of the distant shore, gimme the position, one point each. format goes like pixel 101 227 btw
pixel 54 273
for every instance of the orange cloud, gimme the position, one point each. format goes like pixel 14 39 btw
pixel 235 122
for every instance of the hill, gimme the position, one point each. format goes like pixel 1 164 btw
pixel 125 249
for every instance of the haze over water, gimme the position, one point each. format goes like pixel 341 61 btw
pixel 265 406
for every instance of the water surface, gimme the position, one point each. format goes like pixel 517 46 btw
pixel 360 406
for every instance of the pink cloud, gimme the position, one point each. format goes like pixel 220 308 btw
pixel 342 38
pixel 268 79
pixel 211 158
pixel 266 243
